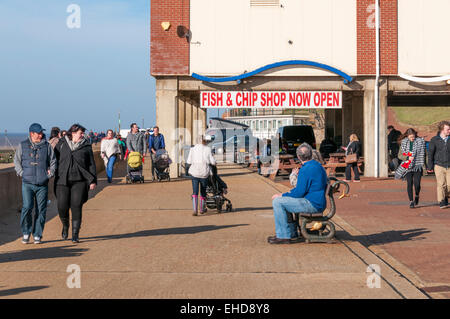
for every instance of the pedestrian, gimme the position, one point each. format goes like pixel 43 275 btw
pixel 155 143
pixel 63 133
pixel 123 146
pixel 327 147
pixel 76 175
pixel 393 136
pixel 35 163
pixel 199 158
pixel 353 147
pixel 110 150
pixel 55 135
pixel 308 196
pixel 412 149
pixel 136 140
pixel 439 161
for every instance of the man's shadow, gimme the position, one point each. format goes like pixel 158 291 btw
pixel 385 237
pixel 42 253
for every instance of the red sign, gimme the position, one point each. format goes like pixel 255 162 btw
pixel 271 99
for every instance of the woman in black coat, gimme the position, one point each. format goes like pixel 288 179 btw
pixel 354 147
pixel 75 176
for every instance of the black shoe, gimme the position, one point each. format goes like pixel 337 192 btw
pixel 416 201
pixel 411 204
pixel 65 229
pixel 75 230
pixel 279 241
pixel 443 204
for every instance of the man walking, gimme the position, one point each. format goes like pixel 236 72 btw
pixel 35 162
pixel 136 140
pixel 155 143
pixel 439 160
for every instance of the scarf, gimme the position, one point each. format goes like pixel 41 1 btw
pixel 74 146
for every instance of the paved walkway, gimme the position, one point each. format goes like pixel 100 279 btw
pixel 141 241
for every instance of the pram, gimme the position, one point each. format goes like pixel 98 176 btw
pixel 215 198
pixel 161 165
pixel 134 168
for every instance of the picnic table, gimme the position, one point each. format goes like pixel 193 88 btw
pixel 281 162
pixel 338 160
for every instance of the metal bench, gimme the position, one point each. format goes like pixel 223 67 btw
pixel 326 229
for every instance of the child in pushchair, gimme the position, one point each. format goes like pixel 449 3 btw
pixel 215 191
pixel 161 165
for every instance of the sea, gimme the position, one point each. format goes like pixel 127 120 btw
pixel 11 140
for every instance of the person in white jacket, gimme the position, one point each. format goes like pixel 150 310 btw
pixel 200 157
pixel 109 150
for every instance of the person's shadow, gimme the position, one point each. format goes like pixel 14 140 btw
pixel 385 237
pixel 42 253
pixel 16 291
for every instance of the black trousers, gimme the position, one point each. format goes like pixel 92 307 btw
pixel 348 171
pixel 71 197
pixel 413 178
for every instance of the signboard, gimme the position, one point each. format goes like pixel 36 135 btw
pixel 271 99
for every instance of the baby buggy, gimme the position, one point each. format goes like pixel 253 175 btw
pixel 161 165
pixel 215 191
pixel 134 168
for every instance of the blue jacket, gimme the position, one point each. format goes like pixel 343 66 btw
pixel 151 142
pixel 311 184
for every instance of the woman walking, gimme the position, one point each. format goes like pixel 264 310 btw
pixel 110 149
pixel 75 176
pixel 353 147
pixel 412 150
pixel 200 157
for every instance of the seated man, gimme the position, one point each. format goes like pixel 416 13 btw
pixel 307 197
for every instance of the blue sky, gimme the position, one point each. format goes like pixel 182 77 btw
pixel 59 76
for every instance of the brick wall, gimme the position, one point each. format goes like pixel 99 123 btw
pixel 169 54
pixel 388 37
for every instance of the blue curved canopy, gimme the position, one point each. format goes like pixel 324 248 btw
pixel 347 78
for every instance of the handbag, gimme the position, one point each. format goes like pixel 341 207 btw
pixel 351 158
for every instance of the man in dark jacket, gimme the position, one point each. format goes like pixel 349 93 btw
pixel 327 147
pixel 393 137
pixel 439 161
pixel 155 143
pixel 35 163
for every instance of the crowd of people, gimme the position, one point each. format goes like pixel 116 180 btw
pixel 69 158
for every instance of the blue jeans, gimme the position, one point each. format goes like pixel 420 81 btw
pixel 284 205
pixel 29 193
pixel 110 167
pixel 203 183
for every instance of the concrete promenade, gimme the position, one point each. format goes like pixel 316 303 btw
pixel 141 241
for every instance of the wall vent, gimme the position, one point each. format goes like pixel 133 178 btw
pixel 264 3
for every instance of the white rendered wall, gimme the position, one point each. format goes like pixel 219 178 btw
pixel 229 36
pixel 423 37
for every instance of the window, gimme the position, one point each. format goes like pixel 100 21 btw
pixel 265 124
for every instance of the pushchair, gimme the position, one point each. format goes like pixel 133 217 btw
pixel 215 198
pixel 161 165
pixel 134 168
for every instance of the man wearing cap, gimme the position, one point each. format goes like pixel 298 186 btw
pixel 35 163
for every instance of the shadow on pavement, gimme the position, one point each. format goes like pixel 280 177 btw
pixel 16 291
pixel 41 253
pixel 161 232
pixel 385 237
pixel 248 209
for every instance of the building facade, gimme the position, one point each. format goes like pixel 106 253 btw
pixel 301 45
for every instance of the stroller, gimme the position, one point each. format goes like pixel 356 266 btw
pixel 161 165
pixel 215 198
pixel 134 168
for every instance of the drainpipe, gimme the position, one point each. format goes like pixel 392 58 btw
pixel 377 96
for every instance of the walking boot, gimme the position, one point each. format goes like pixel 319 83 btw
pixel 203 208
pixel 416 201
pixel 75 230
pixel 194 204
pixel 65 229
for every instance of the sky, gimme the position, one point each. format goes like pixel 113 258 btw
pixel 58 76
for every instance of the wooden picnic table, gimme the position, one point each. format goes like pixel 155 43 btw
pixel 338 160
pixel 282 162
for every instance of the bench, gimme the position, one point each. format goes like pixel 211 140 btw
pixel 331 166
pixel 325 230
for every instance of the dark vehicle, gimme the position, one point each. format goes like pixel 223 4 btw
pixel 293 135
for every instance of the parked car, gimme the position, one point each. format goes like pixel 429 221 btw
pixel 292 136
